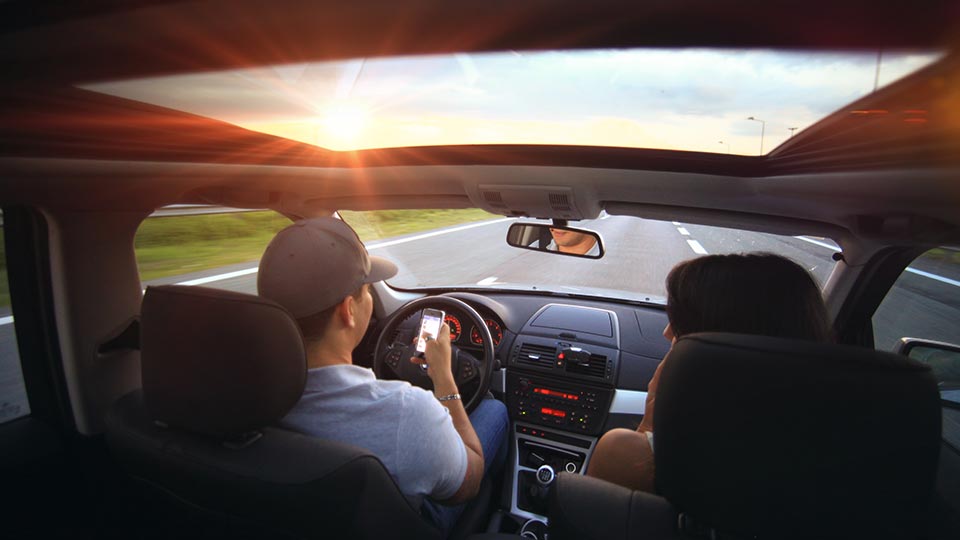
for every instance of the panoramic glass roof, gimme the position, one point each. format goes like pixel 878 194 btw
pixel 722 101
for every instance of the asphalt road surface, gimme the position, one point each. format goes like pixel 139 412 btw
pixel 639 253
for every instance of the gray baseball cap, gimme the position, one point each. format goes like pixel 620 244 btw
pixel 316 263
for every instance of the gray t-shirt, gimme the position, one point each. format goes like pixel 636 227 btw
pixel 404 426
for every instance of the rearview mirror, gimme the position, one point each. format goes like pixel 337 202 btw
pixel 559 240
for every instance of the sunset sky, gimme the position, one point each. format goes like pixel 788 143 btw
pixel 687 99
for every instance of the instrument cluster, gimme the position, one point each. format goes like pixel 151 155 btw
pixel 458 324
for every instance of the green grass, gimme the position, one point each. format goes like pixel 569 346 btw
pixel 181 244
pixel 380 224
pixel 948 255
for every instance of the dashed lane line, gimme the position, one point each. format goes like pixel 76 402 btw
pixel 696 247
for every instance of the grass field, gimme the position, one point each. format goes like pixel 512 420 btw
pixel 181 244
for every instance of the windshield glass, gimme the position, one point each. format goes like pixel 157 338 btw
pixel 722 101
pixel 471 252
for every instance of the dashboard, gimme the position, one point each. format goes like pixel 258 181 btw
pixel 464 333
pixel 568 369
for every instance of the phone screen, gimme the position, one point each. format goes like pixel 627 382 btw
pixel 429 327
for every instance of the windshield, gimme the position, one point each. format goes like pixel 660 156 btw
pixel 471 252
pixel 722 101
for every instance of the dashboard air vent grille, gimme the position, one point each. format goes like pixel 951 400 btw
pixel 596 367
pixel 536 355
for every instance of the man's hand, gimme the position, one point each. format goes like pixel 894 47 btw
pixel 438 358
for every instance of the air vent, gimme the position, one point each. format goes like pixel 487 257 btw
pixel 560 201
pixel 536 355
pixel 494 199
pixel 597 367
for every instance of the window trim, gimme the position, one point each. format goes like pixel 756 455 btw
pixel 854 322
pixel 26 239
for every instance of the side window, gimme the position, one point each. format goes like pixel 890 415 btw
pixel 924 303
pixel 202 245
pixel 13 392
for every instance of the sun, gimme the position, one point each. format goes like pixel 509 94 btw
pixel 345 122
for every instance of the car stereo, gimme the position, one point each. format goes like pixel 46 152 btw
pixel 579 408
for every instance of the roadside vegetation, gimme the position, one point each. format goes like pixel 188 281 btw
pixel 174 245
pixel 947 255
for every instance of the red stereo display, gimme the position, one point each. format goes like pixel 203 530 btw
pixel 555 393
pixel 553 412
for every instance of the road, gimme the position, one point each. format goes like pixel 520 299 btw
pixel 639 254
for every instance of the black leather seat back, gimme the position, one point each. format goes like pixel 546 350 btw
pixel 776 438
pixel 218 369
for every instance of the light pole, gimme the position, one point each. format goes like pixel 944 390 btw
pixel 726 143
pixel 792 130
pixel 763 128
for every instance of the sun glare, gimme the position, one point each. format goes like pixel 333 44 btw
pixel 688 99
pixel 345 122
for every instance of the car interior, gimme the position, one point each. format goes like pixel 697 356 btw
pixel 151 407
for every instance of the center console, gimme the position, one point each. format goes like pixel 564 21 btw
pixel 559 387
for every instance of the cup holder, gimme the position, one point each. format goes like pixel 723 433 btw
pixel 534 529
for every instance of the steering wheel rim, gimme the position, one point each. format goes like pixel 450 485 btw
pixel 389 327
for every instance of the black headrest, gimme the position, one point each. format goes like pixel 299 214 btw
pixel 779 438
pixel 218 362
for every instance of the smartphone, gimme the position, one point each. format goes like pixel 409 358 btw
pixel 430 323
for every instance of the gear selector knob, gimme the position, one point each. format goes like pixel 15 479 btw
pixel 545 475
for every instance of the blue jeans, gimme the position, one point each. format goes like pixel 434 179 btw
pixel 491 424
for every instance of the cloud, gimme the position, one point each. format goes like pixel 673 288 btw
pixel 684 99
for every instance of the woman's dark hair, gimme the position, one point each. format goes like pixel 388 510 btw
pixel 756 293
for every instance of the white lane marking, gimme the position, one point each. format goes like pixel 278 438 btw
pixel 487 281
pixel 246 271
pixel 818 243
pixel 677 223
pixel 435 233
pixel 935 277
pixel 218 277
pixel 941 279
pixel 683 231
pixel 696 247
pixel 6 320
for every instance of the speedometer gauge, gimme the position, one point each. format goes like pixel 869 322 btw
pixel 495 332
pixel 455 327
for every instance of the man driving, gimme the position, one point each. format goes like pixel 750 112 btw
pixel 319 270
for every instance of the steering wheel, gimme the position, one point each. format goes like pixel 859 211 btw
pixel 395 355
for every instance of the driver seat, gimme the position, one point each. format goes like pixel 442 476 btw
pixel 218 369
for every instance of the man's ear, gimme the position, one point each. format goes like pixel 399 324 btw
pixel 345 311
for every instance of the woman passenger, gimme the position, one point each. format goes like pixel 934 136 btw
pixel 757 293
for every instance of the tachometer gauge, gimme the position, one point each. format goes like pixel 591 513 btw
pixel 455 328
pixel 495 332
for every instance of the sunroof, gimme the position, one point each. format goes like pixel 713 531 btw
pixel 722 101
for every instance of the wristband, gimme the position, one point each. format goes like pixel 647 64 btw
pixel 451 397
